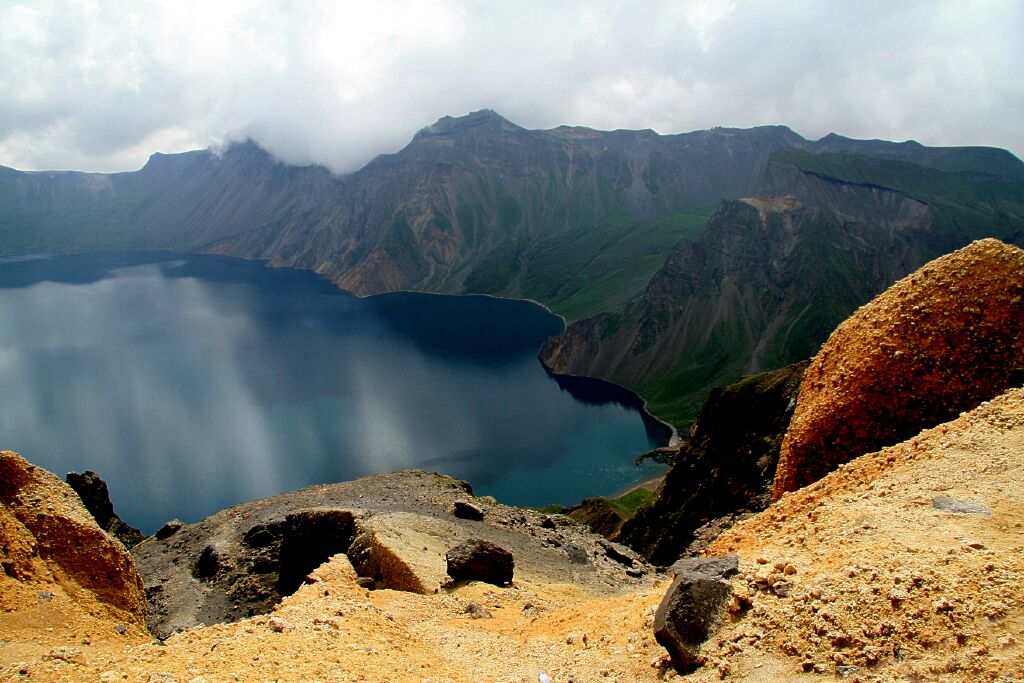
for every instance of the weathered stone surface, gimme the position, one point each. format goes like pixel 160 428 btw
pixel 466 510
pixel 48 535
pixel 963 507
pixel 619 554
pixel 479 560
pixel 937 343
pixel 91 488
pixel 169 529
pixel 727 467
pixel 401 528
pixel 403 551
pixel 693 607
pixel 723 567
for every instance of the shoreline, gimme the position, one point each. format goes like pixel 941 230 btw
pixel 641 402
pixel 674 437
pixel 652 485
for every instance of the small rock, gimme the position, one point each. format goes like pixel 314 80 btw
pixel 576 555
pixel 44 596
pixel 161 677
pixel 477 611
pixel 366 582
pixel 64 654
pixel 479 560
pixel 693 606
pixel 547 523
pixel 962 507
pixel 615 554
pixel 121 629
pixel 262 535
pixel 277 624
pixel 169 529
pixel 463 509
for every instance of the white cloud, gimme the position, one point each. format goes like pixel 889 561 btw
pixel 100 85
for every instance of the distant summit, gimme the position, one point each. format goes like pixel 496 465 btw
pixel 481 120
pixel 709 254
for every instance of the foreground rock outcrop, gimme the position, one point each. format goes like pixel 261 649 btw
pixel 91 488
pixel 863 575
pixel 50 541
pixel 906 564
pixel 693 607
pixel 573 611
pixel 936 343
pixel 725 469
pixel 396 530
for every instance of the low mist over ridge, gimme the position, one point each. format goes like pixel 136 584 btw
pixel 99 86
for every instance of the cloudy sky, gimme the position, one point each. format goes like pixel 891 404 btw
pixel 100 85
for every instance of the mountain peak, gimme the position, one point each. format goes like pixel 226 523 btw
pixel 483 119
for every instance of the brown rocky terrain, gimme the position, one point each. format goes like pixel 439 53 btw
pixel 936 343
pixel 54 551
pixel 395 528
pixel 725 469
pixel 905 564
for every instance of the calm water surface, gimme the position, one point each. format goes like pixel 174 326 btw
pixel 191 383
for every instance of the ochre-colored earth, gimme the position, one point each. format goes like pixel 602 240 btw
pixel 885 582
pixel 936 343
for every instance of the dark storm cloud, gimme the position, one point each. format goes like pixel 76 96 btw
pixel 101 85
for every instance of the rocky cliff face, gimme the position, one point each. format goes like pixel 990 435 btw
pixel 53 550
pixel 772 275
pixel 726 468
pixel 935 344
pixel 182 202
pixel 574 217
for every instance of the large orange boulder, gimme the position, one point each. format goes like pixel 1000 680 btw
pixel 936 343
pixel 51 540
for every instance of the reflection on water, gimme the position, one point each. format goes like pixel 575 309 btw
pixel 191 383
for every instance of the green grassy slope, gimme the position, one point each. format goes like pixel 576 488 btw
pixel 763 289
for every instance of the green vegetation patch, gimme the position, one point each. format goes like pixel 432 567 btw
pixel 596 268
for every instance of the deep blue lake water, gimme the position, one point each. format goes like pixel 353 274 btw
pixel 191 383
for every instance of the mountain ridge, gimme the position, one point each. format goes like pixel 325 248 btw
pixel 772 274
pixel 611 224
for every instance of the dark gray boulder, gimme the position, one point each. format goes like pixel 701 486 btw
pixel 693 606
pixel 169 529
pixel 465 510
pixel 479 560
pixel 93 491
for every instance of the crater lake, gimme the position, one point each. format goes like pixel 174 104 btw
pixel 191 383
